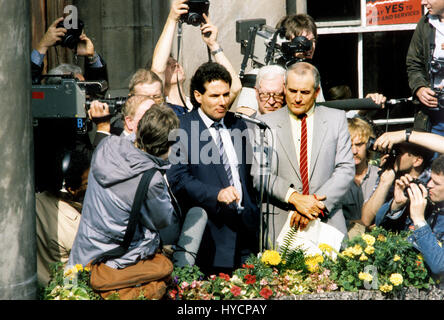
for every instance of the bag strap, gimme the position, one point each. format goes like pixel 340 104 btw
pixel 141 191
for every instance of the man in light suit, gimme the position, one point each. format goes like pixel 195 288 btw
pixel 201 177
pixel 310 136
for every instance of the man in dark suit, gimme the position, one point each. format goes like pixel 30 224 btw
pixel 210 170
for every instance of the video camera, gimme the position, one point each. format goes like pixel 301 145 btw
pixel 197 8
pixel 70 99
pixel 266 45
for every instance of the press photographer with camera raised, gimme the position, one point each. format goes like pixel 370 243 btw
pixel 76 40
pixel 169 69
pixel 426 212
pixel 425 67
pixel 408 162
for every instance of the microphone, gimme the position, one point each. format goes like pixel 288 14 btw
pixel 257 122
pixel 397 101
pixel 352 104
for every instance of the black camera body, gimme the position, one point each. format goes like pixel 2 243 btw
pixel 297 45
pixel 437 69
pixel 72 36
pixel 418 182
pixel 195 12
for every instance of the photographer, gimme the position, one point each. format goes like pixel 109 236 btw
pixel 95 66
pixel 426 48
pixel 428 219
pixel 365 179
pixel 169 69
pixel 408 160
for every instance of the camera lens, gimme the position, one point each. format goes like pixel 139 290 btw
pixel 194 19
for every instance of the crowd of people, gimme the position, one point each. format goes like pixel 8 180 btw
pixel 202 205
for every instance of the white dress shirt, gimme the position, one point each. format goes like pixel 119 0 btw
pixel 228 147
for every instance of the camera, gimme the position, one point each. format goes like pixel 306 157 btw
pixel 418 182
pixel 197 8
pixel 437 69
pixel 72 36
pixel 266 45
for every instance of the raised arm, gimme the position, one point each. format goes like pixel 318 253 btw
pixel 219 56
pixel 164 44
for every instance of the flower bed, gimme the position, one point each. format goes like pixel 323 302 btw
pixel 376 265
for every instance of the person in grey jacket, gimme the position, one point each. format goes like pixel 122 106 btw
pixel 117 166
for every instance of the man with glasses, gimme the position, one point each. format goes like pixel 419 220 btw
pixel 144 83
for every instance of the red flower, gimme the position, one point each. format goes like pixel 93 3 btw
pixel 235 290
pixel 224 276
pixel 250 279
pixel 173 294
pixel 266 293
pixel 248 266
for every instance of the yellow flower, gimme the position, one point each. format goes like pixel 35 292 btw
pixel 420 257
pixel 365 276
pixel 78 267
pixel 325 247
pixel 396 279
pixel 348 252
pixel 67 272
pixel 381 238
pixel 440 244
pixel 363 257
pixel 271 257
pixel 369 239
pixel 396 258
pixel 386 288
pixel 87 269
pixel 369 250
pixel 357 250
pixel 313 262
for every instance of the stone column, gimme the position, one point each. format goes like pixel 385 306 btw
pixel 18 278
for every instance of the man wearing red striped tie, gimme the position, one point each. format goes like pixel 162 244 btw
pixel 312 164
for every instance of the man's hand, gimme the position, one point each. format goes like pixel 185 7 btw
pixel 427 97
pixel 99 113
pixel 399 198
pixel 378 98
pixel 386 141
pixel 388 176
pixel 211 30
pixel 85 47
pixel 418 202
pixel 178 8
pixel 307 205
pixel 51 37
pixel 298 221
pixel 228 195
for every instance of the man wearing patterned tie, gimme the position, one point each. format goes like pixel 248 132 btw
pixel 211 170
pixel 312 165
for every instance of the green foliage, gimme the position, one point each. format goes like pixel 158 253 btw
pixel 70 285
pixel 379 260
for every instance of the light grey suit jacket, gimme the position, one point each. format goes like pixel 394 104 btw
pixel 331 167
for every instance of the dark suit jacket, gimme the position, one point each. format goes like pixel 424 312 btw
pixel 228 235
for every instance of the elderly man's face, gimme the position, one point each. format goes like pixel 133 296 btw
pixel 151 90
pixel 270 94
pixel 300 92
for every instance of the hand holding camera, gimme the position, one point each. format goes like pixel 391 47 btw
pixel 53 35
pixel 400 196
pixel 178 8
pixel 209 33
pixel 418 195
